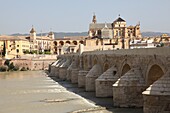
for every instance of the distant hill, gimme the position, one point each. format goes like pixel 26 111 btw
pixel 150 34
pixel 62 34
pixel 57 34
pixel 65 34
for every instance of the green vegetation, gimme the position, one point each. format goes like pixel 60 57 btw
pixel 3 68
pixel 26 52
pixel 47 52
pixel 33 52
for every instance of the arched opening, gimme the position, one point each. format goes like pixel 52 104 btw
pixel 154 74
pixel 85 63
pixel 94 62
pixel 75 42
pixel 61 43
pixel 55 43
pixel 59 51
pixel 68 42
pixel 106 67
pixel 81 42
pixel 125 69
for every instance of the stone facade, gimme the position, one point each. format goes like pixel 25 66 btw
pixel 31 64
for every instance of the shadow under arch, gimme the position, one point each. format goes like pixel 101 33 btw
pixel 95 60
pixel 154 73
pixel 105 67
pixel 125 69
pixel 85 62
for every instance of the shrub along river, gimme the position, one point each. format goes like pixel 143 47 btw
pixel 35 92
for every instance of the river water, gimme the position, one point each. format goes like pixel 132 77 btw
pixel 35 92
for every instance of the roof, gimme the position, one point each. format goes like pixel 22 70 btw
pixel 43 38
pixel 12 38
pixel 99 25
pixel 119 20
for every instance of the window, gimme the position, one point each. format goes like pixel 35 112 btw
pixel 17 45
pixel 17 50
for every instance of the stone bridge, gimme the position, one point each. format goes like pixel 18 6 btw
pixel 134 78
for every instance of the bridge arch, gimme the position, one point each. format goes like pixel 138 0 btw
pixel 95 60
pixel 105 67
pixel 126 67
pixel 154 72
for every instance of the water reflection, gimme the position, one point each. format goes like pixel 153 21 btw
pixel 19 74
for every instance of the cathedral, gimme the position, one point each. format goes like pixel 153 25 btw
pixel 117 29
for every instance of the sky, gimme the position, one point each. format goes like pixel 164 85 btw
pixel 18 16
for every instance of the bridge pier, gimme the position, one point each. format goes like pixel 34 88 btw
pixel 127 91
pixel 157 96
pixel 70 69
pixel 63 69
pixel 105 81
pixel 92 75
pixel 81 78
pixel 74 75
pixel 52 68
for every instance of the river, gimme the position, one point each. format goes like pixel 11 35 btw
pixel 35 92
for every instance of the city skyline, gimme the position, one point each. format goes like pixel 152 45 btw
pixel 18 16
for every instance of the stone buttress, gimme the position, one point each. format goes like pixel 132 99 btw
pixel 52 72
pixel 157 96
pixel 127 91
pixel 72 71
pixel 63 69
pixel 105 81
pixel 92 75
pixel 82 74
pixel 57 67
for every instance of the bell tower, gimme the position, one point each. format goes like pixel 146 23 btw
pixel 94 19
pixel 33 35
